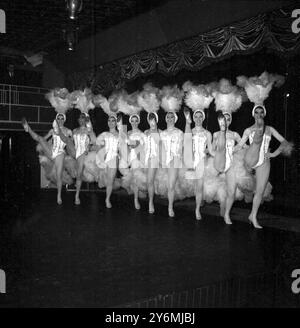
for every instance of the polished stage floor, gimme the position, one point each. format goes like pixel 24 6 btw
pixel 88 256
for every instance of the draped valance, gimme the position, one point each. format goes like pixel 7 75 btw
pixel 272 30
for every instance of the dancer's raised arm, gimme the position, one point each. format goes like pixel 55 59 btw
pixel 210 144
pixel 243 140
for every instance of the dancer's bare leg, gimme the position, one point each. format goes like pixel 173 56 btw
pixel 59 164
pixel 252 153
pixel 136 198
pixel 222 208
pixel 262 177
pixel 198 195
pixel 80 166
pixel 172 178
pixel 68 141
pixel 220 156
pixel 111 174
pixel 39 139
pixel 150 181
pixel 231 190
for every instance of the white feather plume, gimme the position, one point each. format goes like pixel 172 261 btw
pixel 148 98
pixel 103 102
pixel 171 98
pixel 259 87
pixel 128 104
pixel 228 98
pixel 197 97
pixel 59 99
pixel 82 100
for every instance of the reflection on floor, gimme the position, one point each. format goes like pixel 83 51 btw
pixel 69 256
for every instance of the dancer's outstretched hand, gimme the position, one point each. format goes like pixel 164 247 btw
pixel 187 115
pixel 55 127
pixel 25 124
pixel 88 124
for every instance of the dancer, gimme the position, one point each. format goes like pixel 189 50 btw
pixel 148 100
pixel 56 151
pixel 107 155
pixel 201 141
pixel 258 154
pixel 228 99
pixel 172 141
pixel 136 143
pixel 83 137
pixel 133 175
pixel 198 98
pixel 152 153
pixel 224 141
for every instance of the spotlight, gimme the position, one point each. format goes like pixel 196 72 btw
pixel 74 7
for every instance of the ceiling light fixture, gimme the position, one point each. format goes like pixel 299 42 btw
pixel 74 7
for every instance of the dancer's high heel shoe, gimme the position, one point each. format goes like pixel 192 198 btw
pixel 198 216
pixel 171 213
pixel 227 219
pixel 108 204
pixel 151 209
pixel 137 205
pixel 255 224
pixel 59 201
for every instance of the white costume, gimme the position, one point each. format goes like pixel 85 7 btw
pixel 136 155
pixel 199 146
pixel 152 141
pixel 229 147
pixel 58 146
pixel 172 141
pixel 82 141
pixel 264 148
pixel 108 155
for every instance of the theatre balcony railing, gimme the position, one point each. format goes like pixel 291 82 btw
pixel 17 101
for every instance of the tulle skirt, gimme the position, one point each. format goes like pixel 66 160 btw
pixel 214 183
pixel 135 176
pixel 91 171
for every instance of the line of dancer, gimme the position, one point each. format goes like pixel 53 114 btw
pixel 168 163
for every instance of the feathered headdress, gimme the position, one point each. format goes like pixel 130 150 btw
pixel 171 99
pixel 128 104
pixel 82 100
pixel 197 97
pixel 259 87
pixel 109 105
pixel 228 98
pixel 60 101
pixel 148 99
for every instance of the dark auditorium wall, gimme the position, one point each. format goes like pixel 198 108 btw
pixel 52 76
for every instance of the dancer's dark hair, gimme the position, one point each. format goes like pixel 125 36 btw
pixel 152 117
